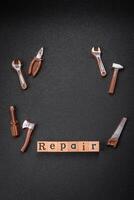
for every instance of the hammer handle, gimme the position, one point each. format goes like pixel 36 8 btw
pixel 27 140
pixel 113 82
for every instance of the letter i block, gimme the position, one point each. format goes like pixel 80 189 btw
pixel 83 146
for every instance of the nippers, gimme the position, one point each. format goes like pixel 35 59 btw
pixel 36 63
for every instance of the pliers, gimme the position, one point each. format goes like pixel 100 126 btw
pixel 36 63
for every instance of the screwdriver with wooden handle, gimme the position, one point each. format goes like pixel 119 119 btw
pixel 14 126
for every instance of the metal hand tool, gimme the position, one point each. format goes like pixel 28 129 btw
pixel 30 127
pixel 14 123
pixel 116 67
pixel 16 64
pixel 113 141
pixel 36 63
pixel 97 54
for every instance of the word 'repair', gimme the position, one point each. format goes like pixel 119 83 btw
pixel 68 146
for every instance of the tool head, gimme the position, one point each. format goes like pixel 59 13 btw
pixel 117 66
pixel 96 50
pixel 40 53
pixel 27 124
pixel 16 64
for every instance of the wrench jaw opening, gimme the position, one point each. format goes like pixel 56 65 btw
pixel 16 64
pixel 96 51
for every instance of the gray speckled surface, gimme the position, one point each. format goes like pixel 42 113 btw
pixel 68 99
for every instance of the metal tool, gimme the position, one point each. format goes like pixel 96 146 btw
pixel 16 64
pixel 36 63
pixel 116 67
pixel 14 123
pixel 30 127
pixel 97 54
pixel 113 141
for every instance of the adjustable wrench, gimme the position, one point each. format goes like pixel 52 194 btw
pixel 16 64
pixel 97 55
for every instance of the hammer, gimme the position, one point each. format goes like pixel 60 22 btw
pixel 30 127
pixel 116 67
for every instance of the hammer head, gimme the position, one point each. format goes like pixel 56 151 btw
pixel 117 66
pixel 27 124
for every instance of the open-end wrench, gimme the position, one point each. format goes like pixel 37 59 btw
pixel 97 54
pixel 16 64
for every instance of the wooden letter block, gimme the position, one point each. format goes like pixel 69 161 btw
pixel 68 146
pixel 62 146
pixel 41 146
pixel 73 146
pixel 51 146
pixel 84 146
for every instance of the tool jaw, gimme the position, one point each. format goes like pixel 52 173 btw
pixel 16 64
pixel 96 51
pixel 40 53
pixel 117 66
pixel 28 125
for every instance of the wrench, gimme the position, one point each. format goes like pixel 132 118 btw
pixel 16 64
pixel 97 55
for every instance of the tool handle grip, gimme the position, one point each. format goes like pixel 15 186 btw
pixel 12 112
pixel 27 140
pixel 113 82
pixel 14 129
pixel 22 81
pixel 13 123
pixel 112 142
pixel 35 66
pixel 101 66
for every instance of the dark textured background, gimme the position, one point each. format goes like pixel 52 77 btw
pixel 68 99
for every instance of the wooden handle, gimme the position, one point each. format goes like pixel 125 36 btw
pixel 113 82
pixel 14 129
pixel 27 140
pixel 13 124
pixel 12 112
pixel 35 66
pixel 112 142
pixel 30 66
